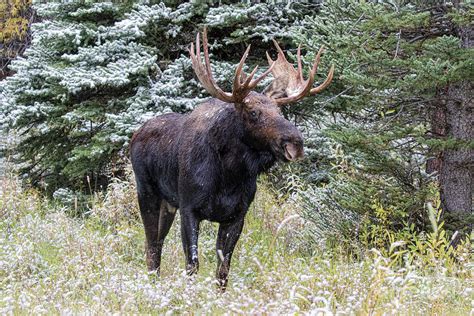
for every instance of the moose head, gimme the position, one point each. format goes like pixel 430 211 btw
pixel 265 126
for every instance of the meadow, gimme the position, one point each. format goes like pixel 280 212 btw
pixel 55 259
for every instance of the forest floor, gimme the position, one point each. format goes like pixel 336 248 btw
pixel 54 261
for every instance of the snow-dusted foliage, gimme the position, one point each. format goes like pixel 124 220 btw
pixel 65 86
pixel 259 20
pixel 96 71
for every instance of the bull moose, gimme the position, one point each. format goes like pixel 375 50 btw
pixel 205 163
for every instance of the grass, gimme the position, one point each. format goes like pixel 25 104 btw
pixel 54 262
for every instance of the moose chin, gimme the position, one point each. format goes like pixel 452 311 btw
pixel 205 163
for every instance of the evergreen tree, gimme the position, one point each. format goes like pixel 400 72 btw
pixel 391 59
pixel 96 71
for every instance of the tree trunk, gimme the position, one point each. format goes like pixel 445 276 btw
pixel 438 129
pixel 457 166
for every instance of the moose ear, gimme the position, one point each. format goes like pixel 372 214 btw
pixel 276 89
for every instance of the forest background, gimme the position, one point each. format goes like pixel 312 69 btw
pixel 389 145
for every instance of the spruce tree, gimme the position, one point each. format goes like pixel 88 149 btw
pixel 392 59
pixel 96 71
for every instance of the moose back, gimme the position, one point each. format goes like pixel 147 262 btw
pixel 206 163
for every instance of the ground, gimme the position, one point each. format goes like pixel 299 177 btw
pixel 53 260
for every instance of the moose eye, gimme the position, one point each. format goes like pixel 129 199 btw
pixel 253 113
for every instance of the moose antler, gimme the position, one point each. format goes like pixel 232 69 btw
pixel 241 87
pixel 295 86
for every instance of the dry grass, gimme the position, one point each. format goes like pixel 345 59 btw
pixel 51 262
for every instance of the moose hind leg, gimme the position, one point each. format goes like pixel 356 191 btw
pixel 227 238
pixel 157 221
pixel 167 214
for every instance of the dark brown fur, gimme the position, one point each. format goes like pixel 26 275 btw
pixel 206 164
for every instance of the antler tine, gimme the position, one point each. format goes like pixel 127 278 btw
pixel 254 83
pixel 204 73
pixel 198 57
pixel 300 68
pixel 326 82
pixel 198 49
pixel 317 59
pixel 207 62
pixel 269 59
pixel 280 51
pixel 329 77
pixel 250 77
pixel 190 51
pixel 237 86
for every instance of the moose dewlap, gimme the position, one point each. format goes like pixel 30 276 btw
pixel 206 163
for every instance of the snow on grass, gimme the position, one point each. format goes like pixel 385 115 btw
pixel 52 262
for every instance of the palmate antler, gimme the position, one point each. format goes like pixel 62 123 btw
pixel 294 86
pixel 240 88
pixel 288 81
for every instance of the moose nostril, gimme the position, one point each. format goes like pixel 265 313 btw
pixel 297 141
pixel 285 139
pixel 291 147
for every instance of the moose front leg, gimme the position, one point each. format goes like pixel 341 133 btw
pixel 227 238
pixel 189 236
